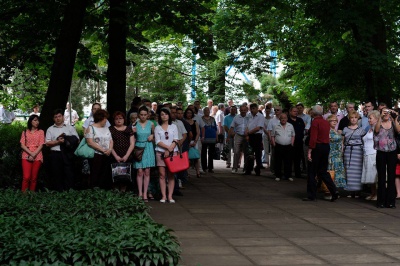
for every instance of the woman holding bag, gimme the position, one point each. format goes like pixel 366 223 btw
pixel 98 137
pixel 144 139
pixel 124 141
pixel 32 141
pixel 166 136
pixel 188 115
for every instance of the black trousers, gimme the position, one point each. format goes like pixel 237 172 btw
pixel 255 141
pixel 207 163
pixel 62 171
pixel 100 172
pixel 386 163
pixel 319 167
pixel 298 154
pixel 283 154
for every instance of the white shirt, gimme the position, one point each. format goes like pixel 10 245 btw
pixel 181 128
pixel 74 116
pixel 54 132
pixel 283 135
pixel 90 121
pixel 272 123
pixel 369 143
pixel 219 118
pixel 161 136
pixel 256 121
pixel 239 124
pixel 100 135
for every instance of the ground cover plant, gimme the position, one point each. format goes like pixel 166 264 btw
pixel 89 227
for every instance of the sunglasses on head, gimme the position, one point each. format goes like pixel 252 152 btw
pixel 166 135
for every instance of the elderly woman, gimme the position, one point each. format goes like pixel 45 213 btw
pixel 353 153
pixel 99 138
pixel 209 138
pixel 369 173
pixel 386 157
pixel 133 117
pixel 124 142
pixel 335 152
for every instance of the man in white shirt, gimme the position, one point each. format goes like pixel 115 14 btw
pixel 61 165
pixel 90 121
pixel 70 115
pixel 6 117
pixel 253 133
pixel 219 119
pixel 282 138
pixel 237 132
pixel 271 125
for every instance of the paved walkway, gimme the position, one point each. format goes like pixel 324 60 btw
pixel 230 219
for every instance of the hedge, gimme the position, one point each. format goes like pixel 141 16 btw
pixel 89 227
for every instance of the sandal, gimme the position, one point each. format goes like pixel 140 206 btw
pixel 150 196
pixel 145 200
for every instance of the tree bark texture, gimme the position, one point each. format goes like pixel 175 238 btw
pixel 64 61
pixel 116 72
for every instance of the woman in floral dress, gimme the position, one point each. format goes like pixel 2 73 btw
pixel 335 153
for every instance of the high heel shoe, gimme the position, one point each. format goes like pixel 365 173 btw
pixel 198 175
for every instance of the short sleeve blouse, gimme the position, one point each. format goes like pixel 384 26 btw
pixel 166 137
pixel 101 136
pixel 32 141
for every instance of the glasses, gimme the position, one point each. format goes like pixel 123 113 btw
pixel 166 135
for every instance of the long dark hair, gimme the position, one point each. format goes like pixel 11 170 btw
pixel 31 119
pixel 165 110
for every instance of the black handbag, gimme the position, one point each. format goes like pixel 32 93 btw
pixel 137 153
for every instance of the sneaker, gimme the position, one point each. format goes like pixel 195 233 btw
pixel 277 179
pixel 234 171
pixel 290 179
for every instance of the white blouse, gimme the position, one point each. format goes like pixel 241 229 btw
pixel 368 140
pixel 166 137
pixel 101 136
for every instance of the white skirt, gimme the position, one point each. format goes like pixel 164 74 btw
pixel 369 172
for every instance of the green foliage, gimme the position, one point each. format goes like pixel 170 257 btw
pixel 10 160
pixel 92 227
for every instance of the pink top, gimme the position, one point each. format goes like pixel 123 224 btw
pixel 33 141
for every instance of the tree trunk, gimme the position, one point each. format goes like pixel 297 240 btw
pixel 64 61
pixel 116 72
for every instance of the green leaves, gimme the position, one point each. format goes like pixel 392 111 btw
pixel 82 228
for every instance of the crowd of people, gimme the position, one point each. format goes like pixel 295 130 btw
pixel 337 150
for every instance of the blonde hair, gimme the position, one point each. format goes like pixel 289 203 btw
pixel 374 113
pixel 354 114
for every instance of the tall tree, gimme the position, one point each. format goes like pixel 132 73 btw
pixel 64 60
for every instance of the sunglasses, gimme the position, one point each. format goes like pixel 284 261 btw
pixel 277 109
pixel 166 135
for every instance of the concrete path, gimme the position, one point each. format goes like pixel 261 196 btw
pixel 231 219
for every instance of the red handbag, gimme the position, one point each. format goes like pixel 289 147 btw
pixel 177 163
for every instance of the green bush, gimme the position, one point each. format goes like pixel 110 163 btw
pixel 92 227
pixel 10 160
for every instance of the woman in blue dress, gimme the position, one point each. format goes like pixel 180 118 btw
pixel 144 138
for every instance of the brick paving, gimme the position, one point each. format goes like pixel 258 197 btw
pixel 231 219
